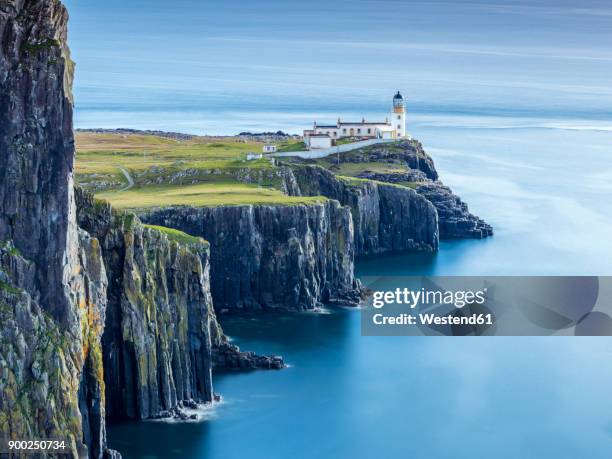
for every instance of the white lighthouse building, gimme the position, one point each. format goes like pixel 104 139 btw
pixel 399 115
pixel 325 136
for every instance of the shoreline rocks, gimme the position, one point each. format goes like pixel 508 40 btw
pixel 455 219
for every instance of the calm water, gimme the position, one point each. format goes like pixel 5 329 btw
pixel 512 99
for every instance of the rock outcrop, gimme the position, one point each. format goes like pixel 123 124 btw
pixel 283 256
pixel 157 342
pixel 455 219
pixel 405 153
pixel 411 166
pixel 229 357
pixel 386 218
pixel 52 297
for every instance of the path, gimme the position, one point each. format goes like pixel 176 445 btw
pixel 314 154
pixel 128 177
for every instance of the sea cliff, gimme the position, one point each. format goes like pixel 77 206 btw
pixel 404 163
pixel 52 295
pixel 386 217
pixel 282 256
pixel 157 341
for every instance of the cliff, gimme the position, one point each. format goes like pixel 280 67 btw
pixel 51 382
pixel 157 341
pixel 386 218
pixel 408 153
pixel 406 163
pixel 283 256
pixel 161 338
pixel 456 221
pixel 51 296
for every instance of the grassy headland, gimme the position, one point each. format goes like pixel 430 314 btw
pixel 200 195
pixel 135 171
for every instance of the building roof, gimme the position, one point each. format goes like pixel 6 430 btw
pixel 398 96
pixel 361 123
pixel 328 126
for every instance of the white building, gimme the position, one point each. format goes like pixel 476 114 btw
pixel 269 148
pixel 253 156
pixel 317 141
pixel 325 136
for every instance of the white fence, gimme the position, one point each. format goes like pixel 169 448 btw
pixel 314 154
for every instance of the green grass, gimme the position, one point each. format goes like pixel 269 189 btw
pixel 291 145
pixel 12 250
pixel 9 288
pixel 353 169
pixel 203 171
pixel 360 181
pixel 104 153
pixel 176 235
pixel 347 140
pixel 201 195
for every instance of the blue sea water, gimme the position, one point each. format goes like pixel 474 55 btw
pixel 514 102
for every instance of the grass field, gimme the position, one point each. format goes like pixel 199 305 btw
pixel 291 145
pixel 201 195
pixel 203 171
pixel 103 153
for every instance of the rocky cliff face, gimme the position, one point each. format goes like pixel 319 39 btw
pixel 284 256
pixel 52 297
pixel 408 153
pixel 157 342
pixel 51 381
pixel 37 145
pixel 454 217
pixel 456 221
pixel 161 338
pixel 387 218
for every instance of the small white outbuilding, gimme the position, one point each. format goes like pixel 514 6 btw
pixel 319 141
pixel 269 148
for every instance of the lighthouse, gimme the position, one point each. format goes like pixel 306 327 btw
pixel 398 117
pixel 394 127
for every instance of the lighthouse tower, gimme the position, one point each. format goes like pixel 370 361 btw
pixel 398 117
